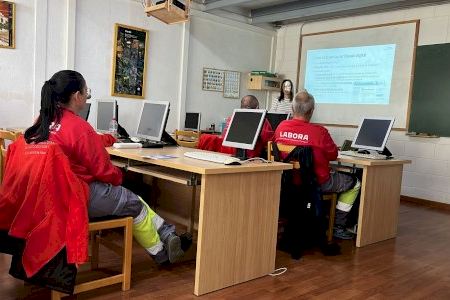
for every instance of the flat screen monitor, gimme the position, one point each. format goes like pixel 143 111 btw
pixel 373 133
pixel 275 118
pixel 153 120
pixel 106 110
pixel 192 121
pixel 244 128
pixel 84 113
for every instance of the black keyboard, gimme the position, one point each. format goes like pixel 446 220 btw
pixel 124 140
pixel 152 144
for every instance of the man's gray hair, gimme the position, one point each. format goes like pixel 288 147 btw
pixel 303 104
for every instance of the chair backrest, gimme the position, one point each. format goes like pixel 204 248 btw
pixel 5 135
pixel 187 138
pixel 282 148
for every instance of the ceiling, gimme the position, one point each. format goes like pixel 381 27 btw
pixel 281 12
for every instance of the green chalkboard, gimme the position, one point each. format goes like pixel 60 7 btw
pixel 430 106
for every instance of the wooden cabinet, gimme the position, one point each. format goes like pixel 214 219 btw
pixel 168 12
pixel 259 82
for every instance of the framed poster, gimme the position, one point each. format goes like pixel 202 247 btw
pixel 212 80
pixel 129 61
pixel 7 24
pixel 232 81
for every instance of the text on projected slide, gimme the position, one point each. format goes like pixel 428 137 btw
pixel 353 75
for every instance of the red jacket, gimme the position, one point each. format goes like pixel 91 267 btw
pixel 265 136
pixel 85 149
pixel 45 203
pixel 213 142
pixel 301 133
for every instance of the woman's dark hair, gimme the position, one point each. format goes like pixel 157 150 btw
pixel 281 97
pixel 55 91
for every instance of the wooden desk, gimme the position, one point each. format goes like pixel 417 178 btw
pixel 380 198
pixel 238 214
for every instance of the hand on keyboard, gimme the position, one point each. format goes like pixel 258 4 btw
pixel 363 155
pixel 213 157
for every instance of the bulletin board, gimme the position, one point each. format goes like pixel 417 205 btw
pixel 213 80
pixel 232 80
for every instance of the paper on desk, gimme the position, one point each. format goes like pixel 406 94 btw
pixel 159 156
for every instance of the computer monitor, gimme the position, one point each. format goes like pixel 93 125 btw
pixel 373 133
pixel 106 110
pixel 84 113
pixel 275 118
pixel 153 120
pixel 192 121
pixel 244 129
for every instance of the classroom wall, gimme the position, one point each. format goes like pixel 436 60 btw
pixel 428 176
pixel 16 74
pixel 95 21
pixel 227 45
pixel 78 34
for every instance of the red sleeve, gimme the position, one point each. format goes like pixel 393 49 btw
pixel 107 139
pixel 95 158
pixel 266 132
pixel 328 146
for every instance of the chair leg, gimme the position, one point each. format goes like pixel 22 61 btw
pixel 333 203
pixel 95 250
pixel 192 220
pixel 56 295
pixel 127 253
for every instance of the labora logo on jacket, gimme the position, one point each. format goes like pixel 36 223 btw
pixel 294 136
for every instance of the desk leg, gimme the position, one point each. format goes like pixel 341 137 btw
pixel 237 229
pixel 380 200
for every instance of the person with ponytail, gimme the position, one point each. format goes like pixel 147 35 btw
pixel 283 103
pixel 62 98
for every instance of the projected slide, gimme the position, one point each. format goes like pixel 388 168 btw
pixel 353 75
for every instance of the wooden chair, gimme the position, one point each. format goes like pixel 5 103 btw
pixel 124 277
pixel 187 138
pixel 95 228
pixel 332 197
pixel 5 135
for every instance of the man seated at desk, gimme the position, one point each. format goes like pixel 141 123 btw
pixel 251 102
pixel 300 132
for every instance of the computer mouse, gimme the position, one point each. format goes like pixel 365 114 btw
pixel 135 139
pixel 363 151
pixel 232 161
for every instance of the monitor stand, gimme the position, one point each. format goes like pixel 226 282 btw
pixel 241 154
pixel 386 152
pixel 168 140
pixel 122 132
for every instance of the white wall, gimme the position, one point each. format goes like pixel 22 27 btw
pixel 225 45
pixel 177 55
pixel 16 70
pixel 56 38
pixel 428 177
pixel 95 21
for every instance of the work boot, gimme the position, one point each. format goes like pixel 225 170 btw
pixel 173 247
pixel 342 233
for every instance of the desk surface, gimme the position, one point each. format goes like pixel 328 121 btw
pixel 238 215
pixel 238 211
pixel 181 162
pixel 371 162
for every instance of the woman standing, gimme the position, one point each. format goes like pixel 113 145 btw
pixel 284 102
